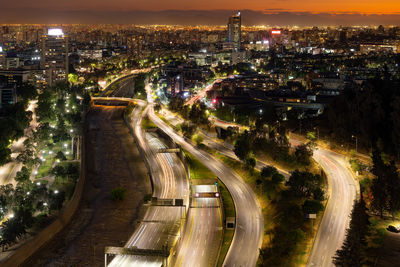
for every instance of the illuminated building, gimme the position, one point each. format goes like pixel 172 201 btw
pixel 54 58
pixel 235 31
pixel 8 96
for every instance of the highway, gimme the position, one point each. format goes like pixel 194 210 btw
pixel 343 192
pixel 202 238
pixel 248 235
pixel 161 224
pixel 223 148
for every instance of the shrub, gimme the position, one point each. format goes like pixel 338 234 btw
pixel 118 194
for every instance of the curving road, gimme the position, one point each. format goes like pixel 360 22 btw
pixel 343 192
pixel 247 240
pixel 160 226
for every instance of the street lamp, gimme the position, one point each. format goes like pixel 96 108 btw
pixel 355 137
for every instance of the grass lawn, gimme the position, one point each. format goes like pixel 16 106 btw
pixel 148 124
pixel 197 169
pixel 45 167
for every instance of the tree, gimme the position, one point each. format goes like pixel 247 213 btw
pixel 243 146
pixel 188 129
pixel 56 200
pixel 26 156
pixel 118 193
pixel 312 206
pixel 303 154
pixel 26 91
pixel 251 162
pixel 60 155
pixel 277 178
pixel 353 249
pixel 5 155
pixel 304 183
pixel 23 175
pixel 268 171
pixel 198 139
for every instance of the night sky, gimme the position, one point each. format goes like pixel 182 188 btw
pixel 285 12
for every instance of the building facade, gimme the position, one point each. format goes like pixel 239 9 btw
pixel 235 31
pixel 54 56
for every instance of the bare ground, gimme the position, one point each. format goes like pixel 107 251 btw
pixel 112 160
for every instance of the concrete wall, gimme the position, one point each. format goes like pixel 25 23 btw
pixel 41 239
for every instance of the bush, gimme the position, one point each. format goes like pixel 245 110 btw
pixel 198 139
pixel 118 194
pixel 277 178
pixel 268 171
pixel 60 155
pixel 251 162
pixel 312 206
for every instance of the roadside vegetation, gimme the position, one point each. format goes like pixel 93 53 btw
pixel 285 205
pixel 377 209
pixel 49 158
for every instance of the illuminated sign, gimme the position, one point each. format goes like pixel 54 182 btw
pixel 276 32
pixel 55 32
pixel 1 49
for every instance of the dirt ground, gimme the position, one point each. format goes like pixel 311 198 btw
pixel 112 160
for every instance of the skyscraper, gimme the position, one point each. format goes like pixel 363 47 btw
pixel 54 56
pixel 234 30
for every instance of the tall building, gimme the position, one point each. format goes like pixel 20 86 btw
pixel 235 31
pixel 54 56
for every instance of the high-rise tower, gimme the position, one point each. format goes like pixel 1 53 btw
pixel 234 31
pixel 54 56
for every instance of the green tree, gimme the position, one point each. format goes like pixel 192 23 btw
pixel 312 206
pixel 268 171
pixel 303 154
pixel 198 139
pixel 353 250
pixel 304 183
pixel 23 175
pixel 243 147
pixel 118 193
pixel 277 178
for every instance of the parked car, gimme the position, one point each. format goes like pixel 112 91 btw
pixel 393 229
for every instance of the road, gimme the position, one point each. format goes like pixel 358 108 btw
pixel 203 234
pixel 247 239
pixel 223 148
pixel 343 192
pixel 161 224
